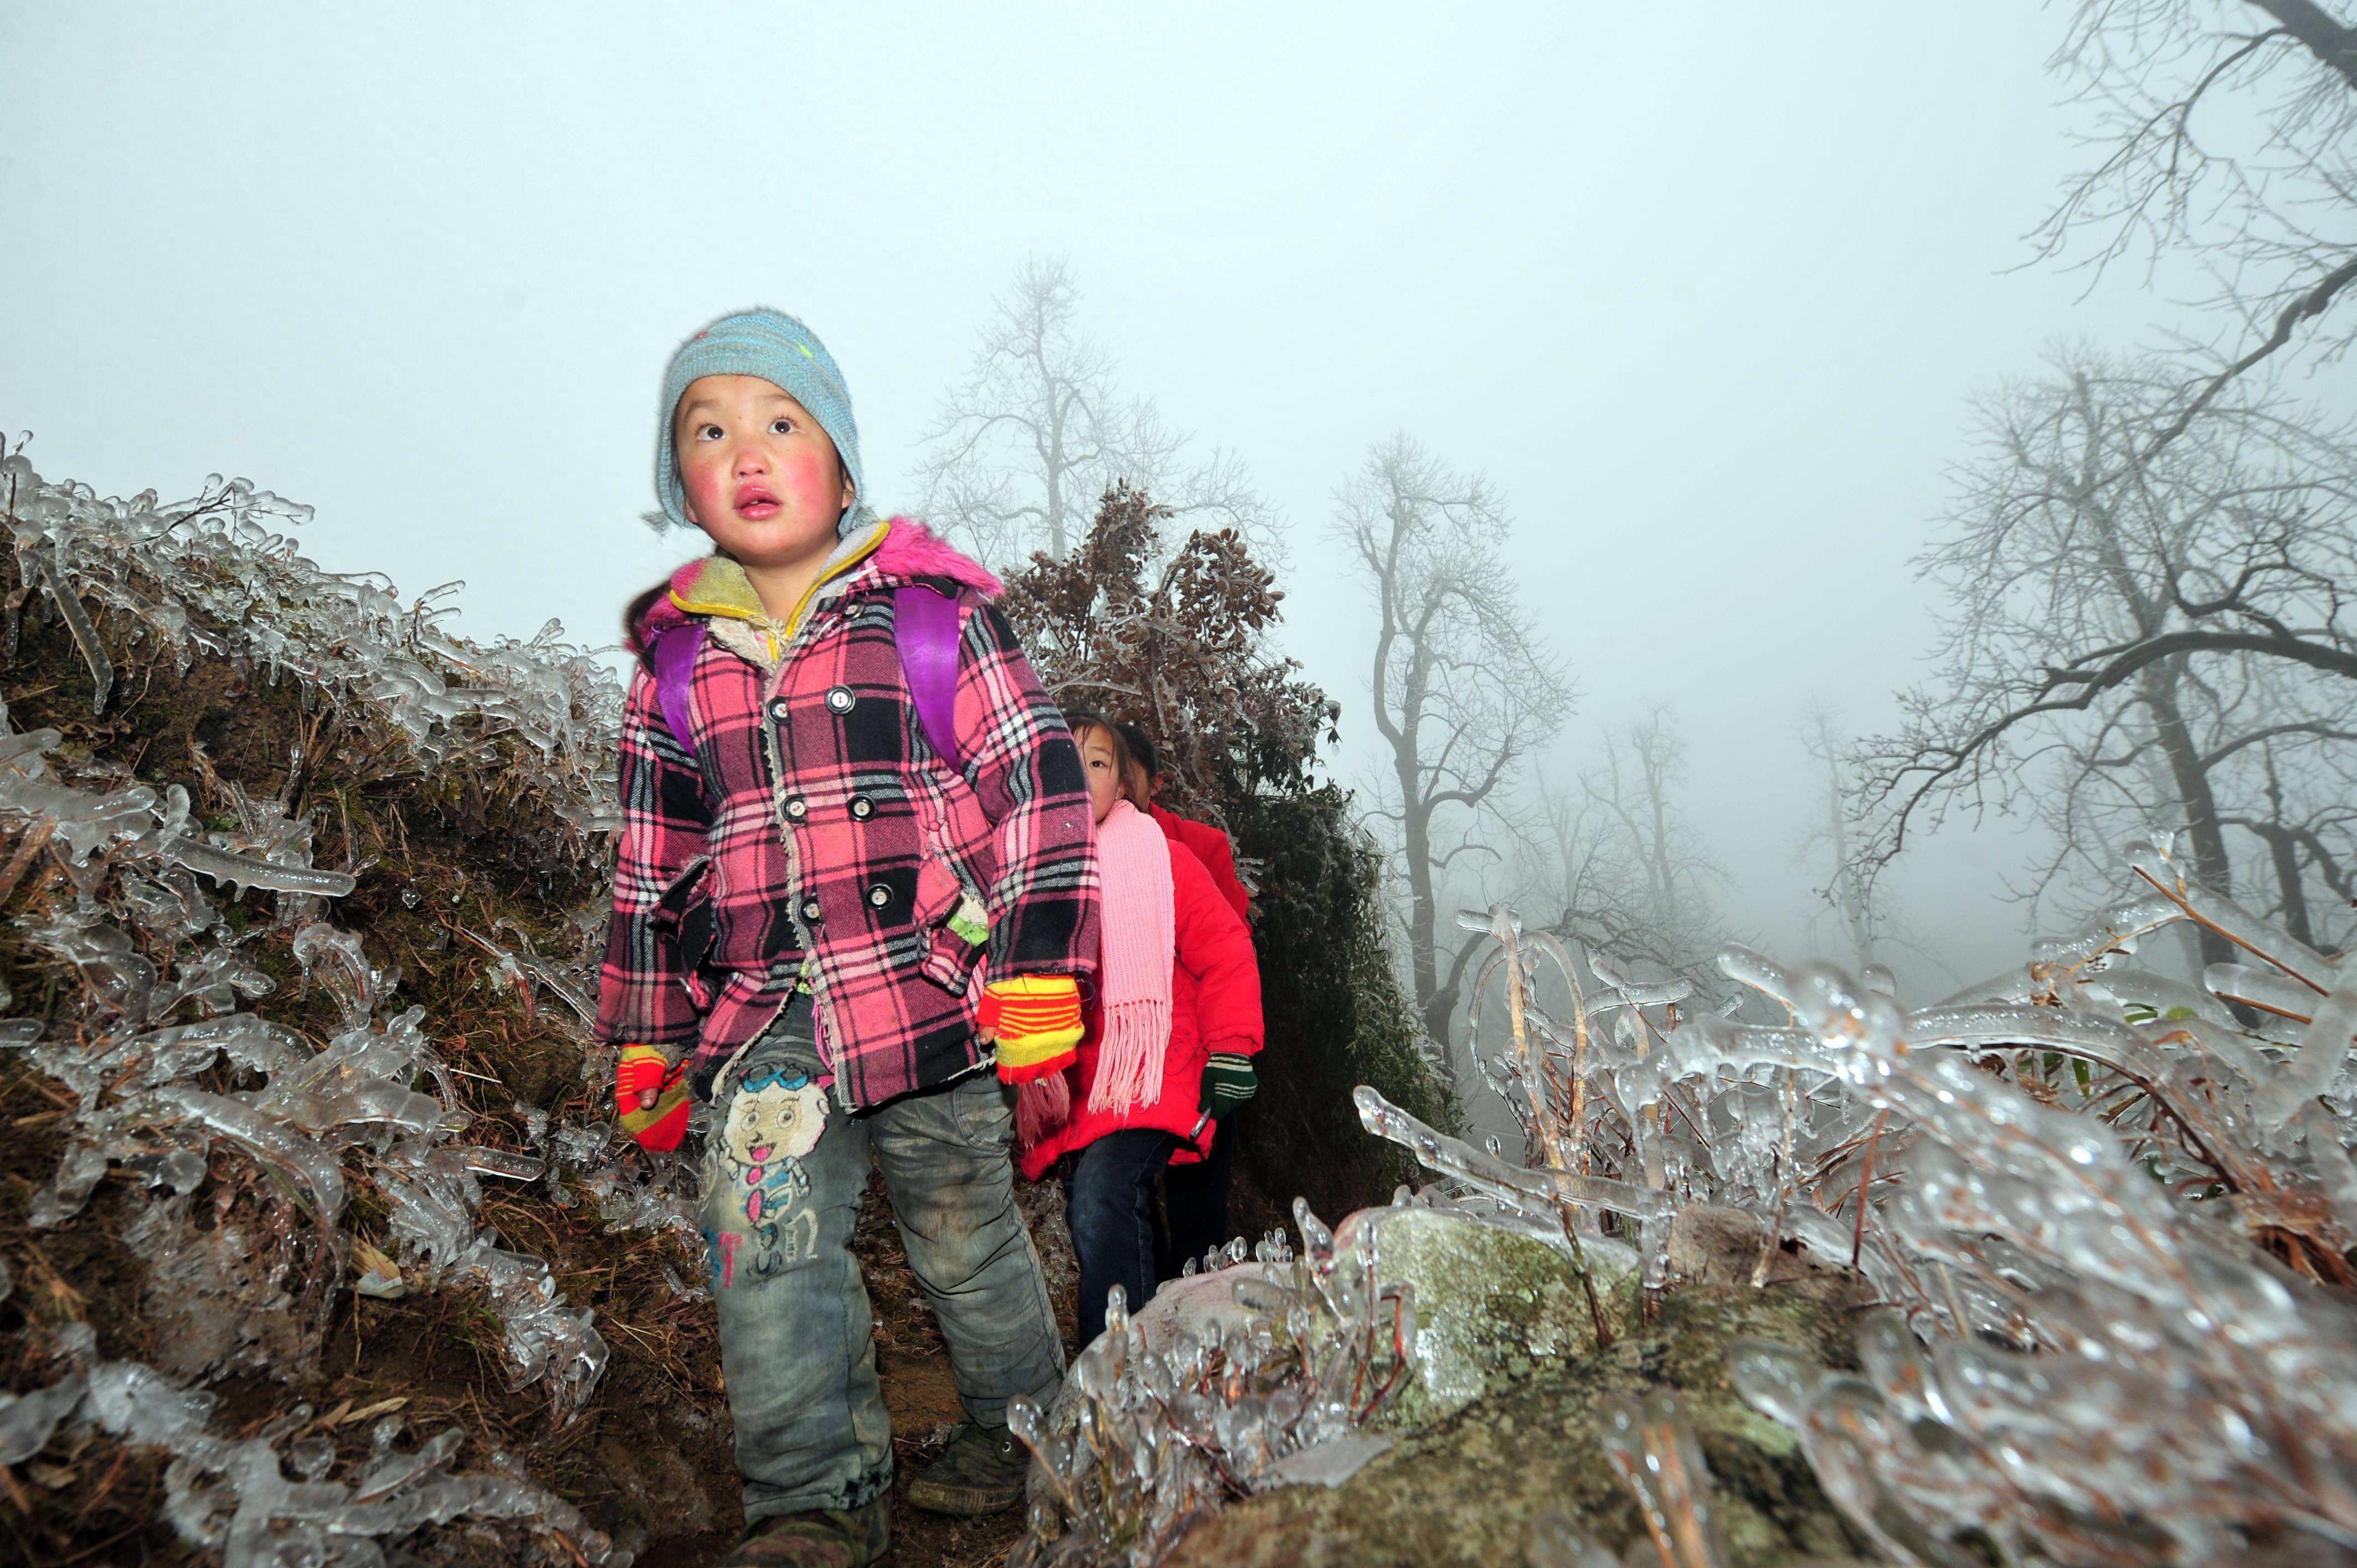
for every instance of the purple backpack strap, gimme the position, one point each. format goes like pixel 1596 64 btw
pixel 925 629
pixel 675 652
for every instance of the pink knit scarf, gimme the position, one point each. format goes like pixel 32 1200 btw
pixel 1139 935
pixel 1136 941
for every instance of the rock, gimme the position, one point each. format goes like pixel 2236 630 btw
pixel 1720 1248
pixel 1470 1489
pixel 1501 1427
pixel 1196 1303
pixel 1491 1305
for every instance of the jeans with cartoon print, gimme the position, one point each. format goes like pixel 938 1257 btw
pixel 785 1169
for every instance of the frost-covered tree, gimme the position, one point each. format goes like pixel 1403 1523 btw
pixel 2127 624
pixel 1629 876
pixel 1175 636
pixel 2223 136
pixel 1463 687
pixel 1039 428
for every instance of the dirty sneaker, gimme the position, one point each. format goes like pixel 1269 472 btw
pixel 982 1473
pixel 829 1538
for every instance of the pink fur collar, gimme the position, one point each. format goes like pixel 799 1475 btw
pixel 909 551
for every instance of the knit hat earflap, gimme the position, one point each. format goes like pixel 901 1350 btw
pixel 785 353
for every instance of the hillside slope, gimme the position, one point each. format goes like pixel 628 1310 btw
pixel 309 1180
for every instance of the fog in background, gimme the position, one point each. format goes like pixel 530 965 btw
pixel 1702 291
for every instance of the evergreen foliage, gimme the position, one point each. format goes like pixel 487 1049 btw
pixel 1174 640
pixel 1336 1012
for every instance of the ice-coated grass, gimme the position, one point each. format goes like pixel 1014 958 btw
pixel 167 1070
pixel 2109 1220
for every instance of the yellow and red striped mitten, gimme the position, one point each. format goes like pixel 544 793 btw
pixel 663 1123
pixel 1036 1019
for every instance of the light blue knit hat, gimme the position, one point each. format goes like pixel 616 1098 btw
pixel 785 353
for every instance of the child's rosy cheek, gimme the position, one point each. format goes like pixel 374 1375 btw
pixel 706 490
pixel 808 474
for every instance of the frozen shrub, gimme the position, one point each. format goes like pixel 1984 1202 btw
pixel 170 1074
pixel 2110 1220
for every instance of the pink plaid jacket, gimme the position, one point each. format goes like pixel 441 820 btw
pixel 814 832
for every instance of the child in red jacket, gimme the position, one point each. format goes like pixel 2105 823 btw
pixel 1211 845
pixel 1194 1197
pixel 1168 1045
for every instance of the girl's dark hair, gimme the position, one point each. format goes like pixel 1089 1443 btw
pixel 1142 747
pixel 636 613
pixel 1134 787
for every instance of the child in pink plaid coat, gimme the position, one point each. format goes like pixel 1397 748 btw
pixel 849 942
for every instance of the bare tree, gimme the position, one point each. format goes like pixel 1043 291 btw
pixel 1849 890
pixel 2110 602
pixel 1644 759
pixel 2224 128
pixel 1021 450
pixel 2310 836
pixel 2269 756
pixel 1463 688
pixel 1631 878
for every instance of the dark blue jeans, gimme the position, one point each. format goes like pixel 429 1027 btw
pixel 1109 1207
pixel 1195 1199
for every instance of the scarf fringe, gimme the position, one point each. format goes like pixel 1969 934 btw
pixel 1043 1106
pixel 1137 933
pixel 1129 1066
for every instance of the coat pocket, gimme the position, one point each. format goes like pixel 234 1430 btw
pixel 956 932
pixel 685 911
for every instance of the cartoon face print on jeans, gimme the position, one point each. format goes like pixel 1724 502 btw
pixel 774 1120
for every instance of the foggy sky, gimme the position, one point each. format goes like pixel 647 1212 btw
pixel 1703 291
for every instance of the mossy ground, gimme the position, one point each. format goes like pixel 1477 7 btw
pixel 1470 1489
pixel 1492 1306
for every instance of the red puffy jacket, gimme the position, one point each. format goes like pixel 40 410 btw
pixel 1214 1006
pixel 1213 848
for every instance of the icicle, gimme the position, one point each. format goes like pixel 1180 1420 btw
pixel 85 634
pixel 1653 1448
pixel 269 1140
pixel 238 870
